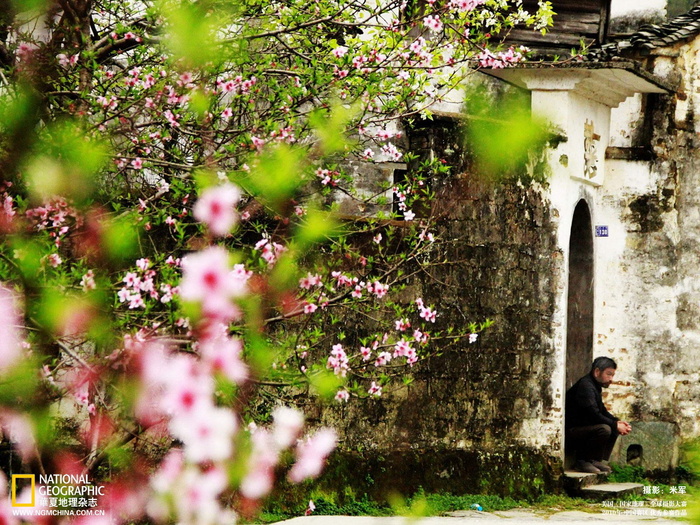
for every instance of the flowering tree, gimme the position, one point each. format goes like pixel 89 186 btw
pixel 171 172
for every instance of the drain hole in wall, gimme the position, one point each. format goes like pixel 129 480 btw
pixel 634 455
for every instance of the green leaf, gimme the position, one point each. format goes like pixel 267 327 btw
pixel 276 177
pixel 317 225
pixel 330 127
pixel 191 35
pixel 325 383
pixel 119 238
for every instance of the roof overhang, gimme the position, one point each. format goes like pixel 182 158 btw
pixel 608 83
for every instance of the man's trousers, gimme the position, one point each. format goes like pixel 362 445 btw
pixel 594 442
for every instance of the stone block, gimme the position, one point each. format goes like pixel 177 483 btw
pixel 651 444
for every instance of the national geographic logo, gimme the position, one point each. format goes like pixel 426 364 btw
pixel 20 482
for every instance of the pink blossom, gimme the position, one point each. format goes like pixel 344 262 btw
pixel 132 279
pixel 169 470
pixel 340 73
pixel 375 390
pixel 25 50
pixel 310 280
pixel 257 142
pixel 326 176
pixel 143 264
pixel 428 314
pixel 207 433
pixel 338 361
pixel 499 60
pixel 269 251
pixel 340 51
pixel 195 496
pixel 288 423
pixel 55 260
pixel 420 337
pixel 390 150
pixel 382 359
pixel 402 349
pixel 342 396
pixel 426 236
pixel 223 354
pixel 135 301
pixel 123 294
pixel 312 454
pixel 10 350
pixel 342 279
pixel 417 45
pixel 207 278
pixel 366 353
pixel 433 23
pixel 169 292
pixel 310 508
pixel 172 118
pixel 402 325
pixel 88 281
pixel 310 308
pixel 465 5
pixel 137 163
pixel 263 458
pixel 409 215
pixel 216 208
pixel 379 289
pixel 18 429
pixel 174 385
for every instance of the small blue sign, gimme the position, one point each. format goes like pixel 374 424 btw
pixel 601 231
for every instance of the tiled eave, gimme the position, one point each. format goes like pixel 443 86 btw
pixel 609 83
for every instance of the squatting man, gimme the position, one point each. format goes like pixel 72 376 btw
pixel 590 429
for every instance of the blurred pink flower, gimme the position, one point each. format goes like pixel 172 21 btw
pixel 216 208
pixel 207 433
pixel 288 425
pixel 223 354
pixel 10 349
pixel 208 278
pixel 312 454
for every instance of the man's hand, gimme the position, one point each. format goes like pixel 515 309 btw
pixel 624 428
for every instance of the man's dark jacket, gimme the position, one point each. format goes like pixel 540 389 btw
pixel 584 405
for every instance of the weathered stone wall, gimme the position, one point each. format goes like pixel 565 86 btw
pixel 472 420
pixel 648 295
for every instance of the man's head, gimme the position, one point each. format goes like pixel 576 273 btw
pixel 603 370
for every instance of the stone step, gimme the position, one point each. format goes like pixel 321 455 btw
pixel 574 481
pixel 606 491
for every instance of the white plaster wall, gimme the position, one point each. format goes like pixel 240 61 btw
pixel 566 187
pixel 630 7
pixel 647 287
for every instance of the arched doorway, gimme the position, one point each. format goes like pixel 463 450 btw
pixel 579 331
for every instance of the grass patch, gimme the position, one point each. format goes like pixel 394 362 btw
pixel 627 474
pixel 437 504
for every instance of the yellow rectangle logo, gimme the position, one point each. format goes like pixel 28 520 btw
pixel 20 486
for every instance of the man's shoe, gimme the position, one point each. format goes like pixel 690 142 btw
pixel 600 466
pixel 586 466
